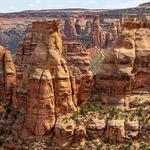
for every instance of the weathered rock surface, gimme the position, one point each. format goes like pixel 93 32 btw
pixel 112 34
pixel 80 135
pixel 115 131
pixel 25 50
pixel 96 128
pixel 80 25
pixel 7 74
pixel 132 129
pixel 97 34
pixel 125 68
pixel 78 61
pixel 64 131
pixel 70 30
pixel 46 84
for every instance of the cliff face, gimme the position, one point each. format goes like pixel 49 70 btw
pixel 25 50
pixel 7 75
pixel 80 25
pixel 78 61
pixel 125 68
pixel 142 62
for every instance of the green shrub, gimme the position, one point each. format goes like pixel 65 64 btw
pixel 75 116
pixel 87 108
pixel 144 146
pixel 114 113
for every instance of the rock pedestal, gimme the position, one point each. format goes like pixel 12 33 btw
pixel 80 25
pixel 97 34
pixel 70 30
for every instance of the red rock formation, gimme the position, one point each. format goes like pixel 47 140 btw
pixel 7 74
pixel 77 58
pixel 115 131
pixel 97 34
pixel 74 53
pixel 80 25
pixel 142 60
pixel 46 85
pixel 112 34
pixel 25 50
pixel 126 66
pixel 70 30
pixel 64 131
pixel 78 62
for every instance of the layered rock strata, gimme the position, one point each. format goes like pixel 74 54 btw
pixel 125 68
pixel 47 87
pixel 7 74
pixel 25 50
pixel 69 29
pixel 74 53
pixel 77 58
pixel 80 25
pixel 97 34
pixel 112 34
pixel 78 61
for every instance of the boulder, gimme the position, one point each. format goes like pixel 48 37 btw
pixel 115 131
pixel 132 129
pixel 80 135
pixel 64 131
pixel 96 128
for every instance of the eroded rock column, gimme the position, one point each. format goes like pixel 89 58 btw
pixel 7 74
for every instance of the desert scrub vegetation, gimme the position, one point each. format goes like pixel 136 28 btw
pixel 91 144
pixel 139 102
pixel 114 113
pixel 144 146
pixel 144 115
pixel 87 111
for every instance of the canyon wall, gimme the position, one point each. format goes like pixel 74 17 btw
pixel 125 67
